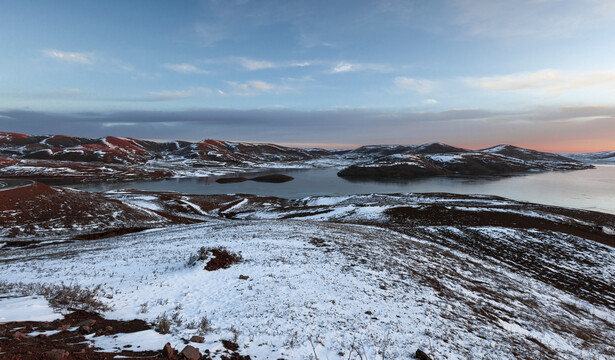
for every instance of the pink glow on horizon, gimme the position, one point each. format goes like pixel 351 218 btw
pixel 571 146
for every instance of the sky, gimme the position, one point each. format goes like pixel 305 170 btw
pixel 470 73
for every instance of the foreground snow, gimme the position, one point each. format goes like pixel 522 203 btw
pixel 26 308
pixel 343 288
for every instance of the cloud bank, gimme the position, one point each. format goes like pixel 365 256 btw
pixel 556 129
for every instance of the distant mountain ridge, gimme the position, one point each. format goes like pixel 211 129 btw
pixel 118 150
pixel 602 157
pixel 118 158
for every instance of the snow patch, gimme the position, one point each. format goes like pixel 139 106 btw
pixel 27 308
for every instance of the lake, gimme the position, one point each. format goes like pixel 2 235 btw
pixel 592 189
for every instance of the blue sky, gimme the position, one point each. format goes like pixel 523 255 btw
pixel 471 73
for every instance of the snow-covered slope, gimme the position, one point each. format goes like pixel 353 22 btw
pixel 359 276
pixel 603 157
pixel 343 287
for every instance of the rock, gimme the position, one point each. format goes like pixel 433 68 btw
pixel 230 345
pixel 197 339
pixel 274 178
pixel 57 354
pixel 64 327
pixel 19 336
pixel 85 329
pixel 244 277
pixel 190 353
pixel 231 180
pixel 421 355
pixel 89 322
pixel 168 352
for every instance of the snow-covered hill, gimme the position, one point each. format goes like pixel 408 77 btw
pixel 603 157
pixel 355 277
pixel 407 162
pixel 134 151
pixel 113 158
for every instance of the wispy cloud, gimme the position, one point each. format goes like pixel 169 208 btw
pixel 254 64
pixel 209 34
pixel 255 87
pixel 96 61
pixel 168 95
pixel 548 81
pixel 261 85
pixel 184 68
pixel 543 18
pixel 419 85
pixel 344 67
pixel 480 128
pixel 68 56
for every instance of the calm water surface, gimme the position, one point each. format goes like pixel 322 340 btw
pixel 587 189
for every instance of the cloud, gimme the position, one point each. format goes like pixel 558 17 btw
pixel 166 95
pixel 430 101
pixel 344 67
pixel 256 64
pixel 261 85
pixel 255 87
pixel 253 64
pixel 184 68
pixel 67 56
pixel 473 128
pixel 209 34
pixel 548 81
pixel 419 85
pixel 95 60
pixel 525 18
pixel 171 94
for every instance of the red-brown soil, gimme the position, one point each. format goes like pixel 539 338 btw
pixel 39 208
pixel 73 171
pixel 221 259
pixel 440 215
pixel 4 162
pixel 22 340
pixel 15 346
